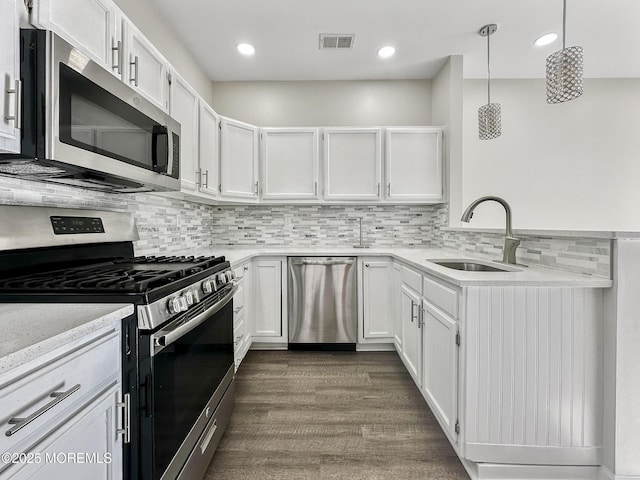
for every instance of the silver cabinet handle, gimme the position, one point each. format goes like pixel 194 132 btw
pixel 413 315
pixel 388 189
pixel 20 423
pixel 198 178
pixel 315 189
pixel 206 178
pixel 256 187
pixel 134 78
pixel 238 339
pixel 17 101
pixel 420 316
pixel 238 309
pixel 366 265
pixel 245 268
pixel 115 51
pixel 125 431
pixel 378 189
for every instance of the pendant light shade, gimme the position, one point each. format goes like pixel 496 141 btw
pixel 489 115
pixel 564 69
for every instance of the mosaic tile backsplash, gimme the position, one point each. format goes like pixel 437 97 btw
pixel 327 225
pixel 171 226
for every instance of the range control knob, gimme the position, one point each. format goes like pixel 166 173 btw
pixel 188 297
pixel 207 287
pixel 230 275
pixel 173 305
pixel 183 303
pixel 221 279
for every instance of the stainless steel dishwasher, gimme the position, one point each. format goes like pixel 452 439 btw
pixel 323 304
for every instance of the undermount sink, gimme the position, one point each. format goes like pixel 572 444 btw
pixel 468 266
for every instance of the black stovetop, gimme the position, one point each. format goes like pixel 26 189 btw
pixel 152 277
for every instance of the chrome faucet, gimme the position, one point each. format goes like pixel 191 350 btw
pixel 361 244
pixel 510 242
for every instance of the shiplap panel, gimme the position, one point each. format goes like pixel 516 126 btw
pixel 533 364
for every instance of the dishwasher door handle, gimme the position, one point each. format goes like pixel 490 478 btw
pixel 324 262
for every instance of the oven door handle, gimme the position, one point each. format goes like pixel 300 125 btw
pixel 166 337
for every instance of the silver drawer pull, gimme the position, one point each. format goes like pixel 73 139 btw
pixel 133 77
pixel 20 423
pixel 237 310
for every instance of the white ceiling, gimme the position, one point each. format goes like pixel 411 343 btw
pixel 424 32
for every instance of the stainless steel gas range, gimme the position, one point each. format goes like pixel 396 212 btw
pixel 177 350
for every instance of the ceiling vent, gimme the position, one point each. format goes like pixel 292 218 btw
pixel 336 41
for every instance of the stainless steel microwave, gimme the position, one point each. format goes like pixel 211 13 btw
pixel 82 126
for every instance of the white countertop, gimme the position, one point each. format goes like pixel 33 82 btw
pixel 30 330
pixel 417 257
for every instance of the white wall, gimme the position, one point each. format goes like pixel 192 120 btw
pixel 568 166
pixel 325 103
pixel 144 14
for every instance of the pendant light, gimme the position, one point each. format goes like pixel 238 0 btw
pixel 564 69
pixel 489 122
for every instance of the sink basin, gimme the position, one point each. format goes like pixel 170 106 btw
pixel 468 266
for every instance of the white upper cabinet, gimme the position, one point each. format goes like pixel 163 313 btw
pixel 90 25
pixel 209 153
pixel 238 160
pixel 184 108
pixel 413 164
pixel 352 163
pixel 9 76
pixel 289 163
pixel 145 69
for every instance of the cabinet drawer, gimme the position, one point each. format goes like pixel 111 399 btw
pixel 412 279
pixel 79 372
pixel 441 296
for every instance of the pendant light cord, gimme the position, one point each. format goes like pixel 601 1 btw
pixel 489 68
pixel 564 23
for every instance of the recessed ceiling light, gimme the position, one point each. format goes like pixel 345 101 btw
pixel 246 49
pixel 546 39
pixel 386 52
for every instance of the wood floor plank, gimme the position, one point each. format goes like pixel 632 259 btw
pixel 333 415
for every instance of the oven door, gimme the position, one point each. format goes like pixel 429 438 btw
pixel 191 368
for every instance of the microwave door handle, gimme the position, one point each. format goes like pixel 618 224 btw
pixel 160 163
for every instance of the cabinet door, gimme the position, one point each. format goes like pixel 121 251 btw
pixel 145 69
pixel 440 365
pixel 184 108
pixel 397 306
pixel 238 160
pixel 90 25
pixel 267 298
pixel 352 163
pixel 413 160
pixel 92 433
pixel 377 283
pixel 289 163
pixel 411 334
pixel 9 76
pixel 209 153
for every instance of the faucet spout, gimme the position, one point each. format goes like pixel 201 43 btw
pixel 510 242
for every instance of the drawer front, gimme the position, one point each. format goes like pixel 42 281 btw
pixel 412 279
pixel 239 301
pixel 441 296
pixel 79 373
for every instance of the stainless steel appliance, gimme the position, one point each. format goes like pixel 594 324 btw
pixel 177 351
pixel 82 126
pixel 323 308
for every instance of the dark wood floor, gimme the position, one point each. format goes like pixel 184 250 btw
pixel 333 415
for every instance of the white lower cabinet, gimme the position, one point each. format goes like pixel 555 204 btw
pixel 377 298
pixel 65 411
pixel 268 297
pixel 242 315
pixel 411 334
pixel 397 306
pixel 440 365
